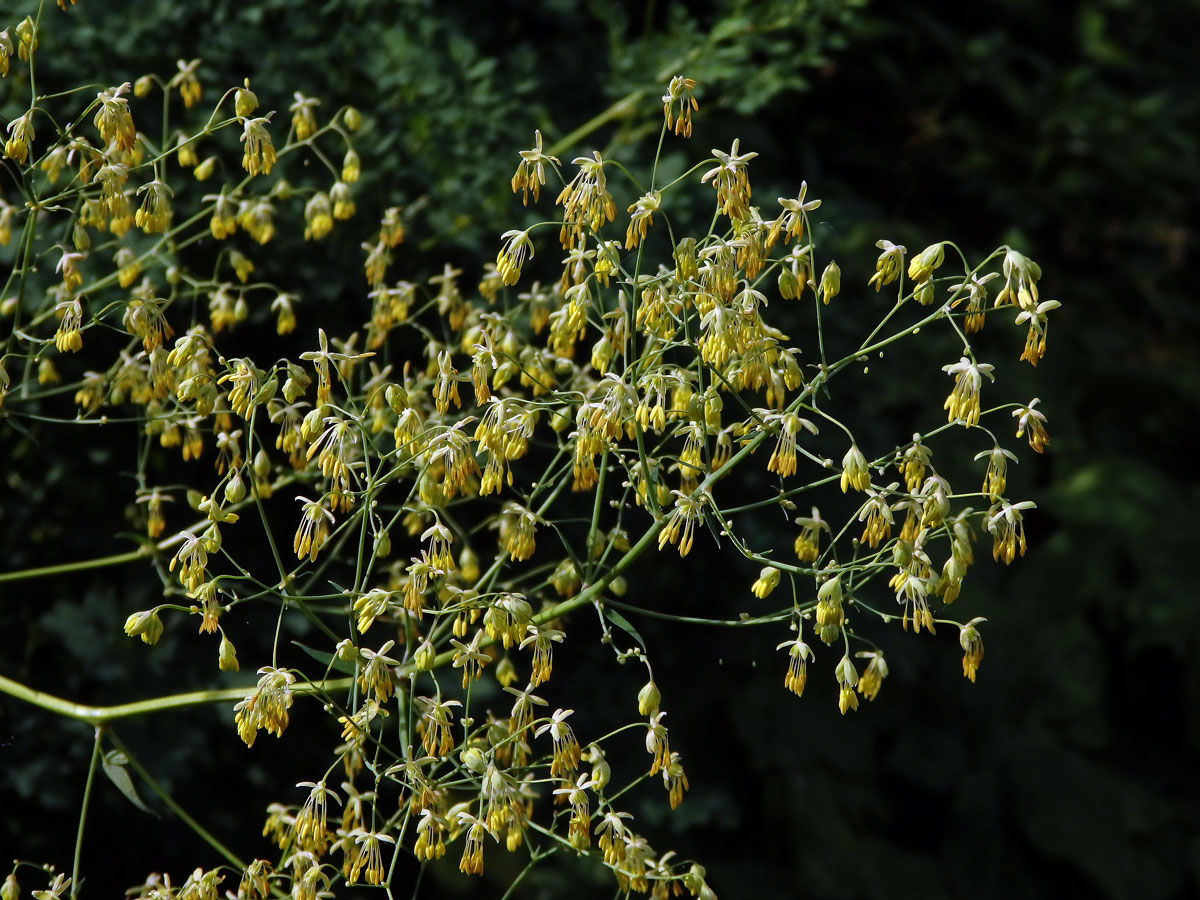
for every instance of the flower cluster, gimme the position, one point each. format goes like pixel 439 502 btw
pixel 478 460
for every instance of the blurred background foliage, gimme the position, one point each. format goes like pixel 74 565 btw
pixel 1067 129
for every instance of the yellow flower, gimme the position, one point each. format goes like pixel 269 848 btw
pixel 531 171
pixel 1007 529
pixel 314 529
pixel 517 245
pixel 318 216
pixel 227 655
pixel 847 678
pixel 913 462
pixel 768 580
pixel 829 614
pixel 258 155
pixel 351 167
pixel 27 39
pixel 6 52
pixel 113 118
pixel 793 218
pixel 472 858
pixel 391 227
pixel 674 779
pixel 783 457
pixel 641 217
pixel 831 282
pixel 1021 276
pixel 963 403
pixel 585 200
pixel 343 202
pixel 244 101
pixel 267 707
pixel 1035 339
pixel 6 221
pixel 872 677
pixel 807 546
pixel 878 515
pixel 69 335
pixel 369 861
pixel 566 747
pixel 1032 421
pixel 972 645
pixel 304 119
pixel 681 523
pixel 889 265
pixel 155 212
pixel 797 673
pixel 187 83
pixel 257 218
pixel 146 625
pixel 855 473
pixel 224 218
pixel 678 105
pixel 922 266
pixel 445 387
pixel 994 480
pixel 730 181
pixel 242 266
pixel 20 132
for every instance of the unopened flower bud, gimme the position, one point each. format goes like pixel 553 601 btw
pixel 205 168
pixel 146 625
pixel 235 488
pixel 262 464
pixel 468 565
pixel 506 672
pixel 648 698
pixel 831 282
pixel 397 398
pixel 424 656
pixel 383 545
pixel 245 102
pixel 227 655
pixel 474 760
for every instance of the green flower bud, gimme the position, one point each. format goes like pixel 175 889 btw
pixel 474 760
pixel 227 655
pixel 424 656
pixel 245 102
pixel 831 282
pixel 146 625
pixel 235 488
pixel 648 698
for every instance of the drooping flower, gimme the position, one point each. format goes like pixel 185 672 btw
pixel 963 403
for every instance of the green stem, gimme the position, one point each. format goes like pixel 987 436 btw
pixel 622 108
pixel 174 807
pixel 79 566
pixel 102 715
pixel 87 796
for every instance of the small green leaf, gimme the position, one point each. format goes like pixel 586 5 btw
pixel 624 624
pixel 114 763
pixel 327 659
